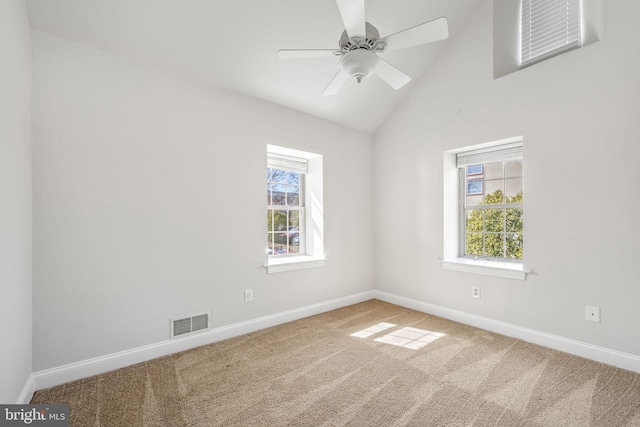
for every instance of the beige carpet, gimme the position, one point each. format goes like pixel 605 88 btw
pixel 421 371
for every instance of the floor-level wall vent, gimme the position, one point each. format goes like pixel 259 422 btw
pixel 185 325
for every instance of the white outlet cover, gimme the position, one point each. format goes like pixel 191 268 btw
pixel 475 291
pixel 593 314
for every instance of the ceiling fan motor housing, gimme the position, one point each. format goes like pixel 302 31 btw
pixel 372 36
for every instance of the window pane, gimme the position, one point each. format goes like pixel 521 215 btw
pixel 475 220
pixel 279 220
pixel 279 249
pixel 278 175
pixel 494 170
pixel 294 244
pixel 293 178
pixel 475 244
pixel 493 192
pixel 513 188
pixel 293 196
pixel 278 194
pixel 514 246
pixel 294 219
pixel 493 245
pixel 514 220
pixel 280 239
pixel 494 220
pixel 292 234
pixel 513 169
pixel 270 243
pixel 474 200
pixel 269 193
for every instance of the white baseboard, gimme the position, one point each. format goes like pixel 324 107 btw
pixel 27 391
pixel 74 371
pixel 86 368
pixel 622 360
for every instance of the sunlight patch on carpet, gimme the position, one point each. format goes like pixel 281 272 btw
pixel 407 337
pixel 372 330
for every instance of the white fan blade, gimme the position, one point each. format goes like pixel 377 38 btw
pixel 306 53
pixel 336 83
pixel 352 12
pixel 390 74
pixel 420 34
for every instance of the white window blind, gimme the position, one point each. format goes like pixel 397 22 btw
pixel 290 163
pixel 497 153
pixel 549 27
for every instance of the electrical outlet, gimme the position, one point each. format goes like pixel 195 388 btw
pixel 593 314
pixel 248 295
pixel 475 291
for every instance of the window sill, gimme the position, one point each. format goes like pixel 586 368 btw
pixel 278 265
pixel 509 270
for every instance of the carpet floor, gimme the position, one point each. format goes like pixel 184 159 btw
pixel 370 364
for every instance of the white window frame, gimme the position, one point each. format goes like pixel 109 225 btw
pixel 452 214
pixel 299 166
pixel 484 157
pixel 312 212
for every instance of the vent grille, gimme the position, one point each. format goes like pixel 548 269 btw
pixel 189 324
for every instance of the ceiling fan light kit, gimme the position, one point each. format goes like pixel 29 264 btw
pixel 359 63
pixel 360 44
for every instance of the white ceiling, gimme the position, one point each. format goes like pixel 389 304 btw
pixel 234 44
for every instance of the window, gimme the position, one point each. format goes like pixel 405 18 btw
pixel 483 209
pixel 491 221
pixel 285 204
pixel 548 28
pixel 294 229
pixel 517 27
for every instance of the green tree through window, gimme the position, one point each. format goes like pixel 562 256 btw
pixel 493 229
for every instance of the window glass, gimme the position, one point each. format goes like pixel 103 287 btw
pixel 285 205
pixel 493 217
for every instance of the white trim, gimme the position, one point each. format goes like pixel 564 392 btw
pixel 620 359
pixel 86 368
pixel 509 270
pixel 487 145
pixel 27 391
pixel 279 265
pixel 98 365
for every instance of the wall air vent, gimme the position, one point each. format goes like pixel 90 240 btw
pixel 189 324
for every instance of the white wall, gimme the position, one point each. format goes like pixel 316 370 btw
pixel 149 202
pixel 578 114
pixel 15 199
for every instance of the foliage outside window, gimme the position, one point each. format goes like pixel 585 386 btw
pixel 492 221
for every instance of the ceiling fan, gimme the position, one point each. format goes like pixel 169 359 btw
pixel 360 44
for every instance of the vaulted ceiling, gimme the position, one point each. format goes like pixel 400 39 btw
pixel 234 44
